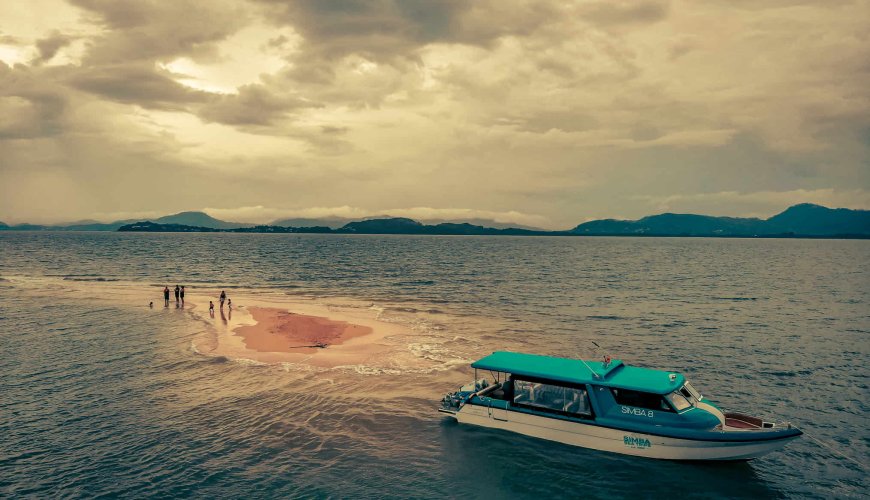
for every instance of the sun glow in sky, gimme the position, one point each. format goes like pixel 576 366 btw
pixel 544 113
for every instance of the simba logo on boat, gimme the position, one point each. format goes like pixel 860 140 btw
pixel 634 442
pixel 640 412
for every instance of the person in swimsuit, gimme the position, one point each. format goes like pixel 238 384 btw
pixel 223 298
pixel 177 291
pixel 230 304
pixel 181 294
pixel 166 296
pixel 211 308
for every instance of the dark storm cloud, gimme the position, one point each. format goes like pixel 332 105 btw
pixel 394 31
pixel 49 46
pixel 253 105
pixel 375 29
pixel 30 106
pixel 140 84
pixel 149 29
pixel 625 12
pixel 333 130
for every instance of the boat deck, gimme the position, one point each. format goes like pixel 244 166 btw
pixel 740 421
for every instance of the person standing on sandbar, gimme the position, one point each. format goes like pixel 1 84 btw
pixel 182 296
pixel 165 296
pixel 177 291
pixel 223 298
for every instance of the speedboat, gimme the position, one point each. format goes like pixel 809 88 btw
pixel 609 406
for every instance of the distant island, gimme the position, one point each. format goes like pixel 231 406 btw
pixel 799 221
pixel 390 225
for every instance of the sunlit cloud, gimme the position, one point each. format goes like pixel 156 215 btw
pixel 12 55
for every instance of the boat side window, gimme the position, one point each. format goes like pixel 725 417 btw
pixel 556 398
pixel 641 400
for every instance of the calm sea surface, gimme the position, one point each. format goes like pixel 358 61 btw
pixel 105 397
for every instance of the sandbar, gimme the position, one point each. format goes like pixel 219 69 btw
pixel 279 330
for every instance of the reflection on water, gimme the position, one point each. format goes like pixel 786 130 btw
pixel 506 465
pixel 101 394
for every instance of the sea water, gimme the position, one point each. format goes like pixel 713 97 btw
pixel 102 395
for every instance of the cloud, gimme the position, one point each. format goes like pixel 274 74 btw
pixel 564 109
pixel 34 114
pixel 50 45
pixel 147 30
pixel 253 105
pixel 376 30
pixel 141 84
pixel 30 106
pixel 618 12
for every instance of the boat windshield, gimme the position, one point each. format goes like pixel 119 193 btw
pixel 678 401
pixel 685 397
pixel 690 393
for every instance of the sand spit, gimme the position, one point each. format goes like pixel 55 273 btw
pixel 294 330
pixel 277 330
pixel 276 327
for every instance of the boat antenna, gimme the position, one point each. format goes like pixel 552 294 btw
pixel 594 373
pixel 606 354
pixel 606 360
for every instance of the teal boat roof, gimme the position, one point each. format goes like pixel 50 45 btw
pixel 616 374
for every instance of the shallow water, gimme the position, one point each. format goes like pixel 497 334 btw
pixel 100 395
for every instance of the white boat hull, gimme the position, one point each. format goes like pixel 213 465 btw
pixel 614 440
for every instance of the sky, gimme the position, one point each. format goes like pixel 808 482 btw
pixel 543 113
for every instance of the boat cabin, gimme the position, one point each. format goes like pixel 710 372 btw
pixel 608 406
pixel 561 387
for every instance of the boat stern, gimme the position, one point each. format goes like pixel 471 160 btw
pixel 452 402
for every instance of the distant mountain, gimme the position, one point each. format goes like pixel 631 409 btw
pixel 191 219
pixel 75 226
pixel 339 222
pixel 799 220
pixel 394 225
pixel 482 222
pixel 94 225
pixel 199 219
pixel 330 222
pixel 402 225
pixel 28 227
pixel 807 218
pixel 152 227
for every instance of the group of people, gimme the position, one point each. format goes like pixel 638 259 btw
pixel 179 296
pixel 179 299
pixel 223 298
